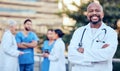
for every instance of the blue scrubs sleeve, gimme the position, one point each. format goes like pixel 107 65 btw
pixel 35 37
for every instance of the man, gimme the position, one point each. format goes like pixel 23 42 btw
pixel 93 46
pixel 8 50
pixel 26 41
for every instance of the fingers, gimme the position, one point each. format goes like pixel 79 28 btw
pixel 81 50
pixel 105 45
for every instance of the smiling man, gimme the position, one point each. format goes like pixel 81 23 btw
pixel 91 47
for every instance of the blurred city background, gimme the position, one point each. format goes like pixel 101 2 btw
pixel 67 15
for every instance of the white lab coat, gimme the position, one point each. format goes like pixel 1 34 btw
pixel 94 58
pixel 8 53
pixel 57 57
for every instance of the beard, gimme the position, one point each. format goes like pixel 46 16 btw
pixel 27 29
pixel 95 22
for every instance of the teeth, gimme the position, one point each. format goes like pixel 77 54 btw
pixel 94 17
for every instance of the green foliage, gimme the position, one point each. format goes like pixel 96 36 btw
pixel 111 14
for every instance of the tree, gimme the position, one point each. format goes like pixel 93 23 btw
pixel 111 14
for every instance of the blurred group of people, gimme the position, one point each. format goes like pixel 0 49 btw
pixel 53 52
pixel 17 53
pixel 91 47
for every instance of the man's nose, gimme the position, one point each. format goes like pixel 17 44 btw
pixel 94 12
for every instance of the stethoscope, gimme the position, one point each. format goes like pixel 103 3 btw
pixel 102 41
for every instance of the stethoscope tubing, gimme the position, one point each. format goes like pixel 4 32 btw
pixel 80 44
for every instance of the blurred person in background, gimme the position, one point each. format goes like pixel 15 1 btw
pixel 8 50
pixel 117 28
pixel 27 41
pixel 56 56
pixel 47 47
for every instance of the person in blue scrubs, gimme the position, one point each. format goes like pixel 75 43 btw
pixel 47 46
pixel 26 41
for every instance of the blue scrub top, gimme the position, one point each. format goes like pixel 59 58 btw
pixel 28 57
pixel 46 61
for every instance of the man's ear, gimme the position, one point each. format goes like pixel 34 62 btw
pixel 87 15
pixel 102 15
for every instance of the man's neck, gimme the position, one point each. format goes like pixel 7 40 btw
pixel 96 25
pixel 12 31
pixel 26 32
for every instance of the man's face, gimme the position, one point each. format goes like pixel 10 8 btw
pixel 13 29
pixel 28 26
pixel 94 13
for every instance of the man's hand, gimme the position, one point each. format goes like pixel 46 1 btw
pixel 45 55
pixel 81 50
pixel 105 45
pixel 23 43
pixel 31 45
pixel 21 53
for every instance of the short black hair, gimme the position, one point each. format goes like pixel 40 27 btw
pixel 59 32
pixel 50 30
pixel 27 21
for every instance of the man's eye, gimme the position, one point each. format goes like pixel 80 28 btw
pixel 97 10
pixel 90 11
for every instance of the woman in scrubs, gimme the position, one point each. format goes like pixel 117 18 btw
pixel 56 56
pixel 47 46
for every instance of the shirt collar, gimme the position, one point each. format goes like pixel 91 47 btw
pixel 101 27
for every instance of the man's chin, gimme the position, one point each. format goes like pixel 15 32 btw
pixel 95 22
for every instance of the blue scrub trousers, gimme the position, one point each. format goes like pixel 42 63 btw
pixel 26 67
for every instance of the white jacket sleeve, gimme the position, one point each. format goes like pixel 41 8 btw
pixel 73 55
pixel 103 54
pixel 7 46
pixel 55 53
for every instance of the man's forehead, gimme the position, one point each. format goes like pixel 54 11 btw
pixel 94 5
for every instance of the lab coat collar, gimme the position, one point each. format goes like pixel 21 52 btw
pixel 8 31
pixel 59 39
pixel 103 26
